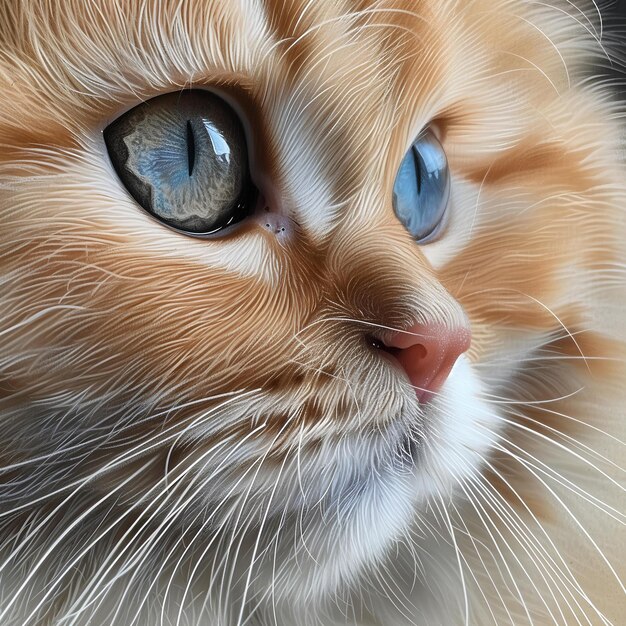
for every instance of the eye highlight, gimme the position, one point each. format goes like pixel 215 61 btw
pixel 422 187
pixel 183 157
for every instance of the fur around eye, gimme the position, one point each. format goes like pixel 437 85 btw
pixel 422 187
pixel 183 157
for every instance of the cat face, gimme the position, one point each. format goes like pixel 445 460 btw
pixel 237 380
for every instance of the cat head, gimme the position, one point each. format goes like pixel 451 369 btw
pixel 266 374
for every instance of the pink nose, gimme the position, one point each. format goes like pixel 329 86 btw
pixel 427 353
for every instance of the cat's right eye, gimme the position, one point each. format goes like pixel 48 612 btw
pixel 183 157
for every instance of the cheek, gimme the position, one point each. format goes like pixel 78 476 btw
pixel 517 270
pixel 102 281
pixel 119 318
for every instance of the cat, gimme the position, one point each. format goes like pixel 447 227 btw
pixel 311 312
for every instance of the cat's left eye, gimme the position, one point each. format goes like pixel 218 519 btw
pixel 183 157
pixel 422 188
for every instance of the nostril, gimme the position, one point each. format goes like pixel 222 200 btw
pixel 418 351
pixel 382 349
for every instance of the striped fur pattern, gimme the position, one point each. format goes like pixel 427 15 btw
pixel 195 432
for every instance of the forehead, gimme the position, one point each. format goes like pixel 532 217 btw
pixel 103 48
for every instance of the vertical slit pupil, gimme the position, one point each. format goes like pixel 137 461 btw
pixel 418 169
pixel 191 147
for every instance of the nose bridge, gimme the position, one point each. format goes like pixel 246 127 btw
pixel 380 273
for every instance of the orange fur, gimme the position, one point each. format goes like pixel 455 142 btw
pixel 107 317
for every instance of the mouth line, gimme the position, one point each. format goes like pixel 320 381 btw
pixel 410 448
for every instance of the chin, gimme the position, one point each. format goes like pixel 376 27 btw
pixel 324 552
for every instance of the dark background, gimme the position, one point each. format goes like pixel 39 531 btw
pixel 615 22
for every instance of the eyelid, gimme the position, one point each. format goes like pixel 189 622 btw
pixel 435 127
pixel 216 234
pixel 228 85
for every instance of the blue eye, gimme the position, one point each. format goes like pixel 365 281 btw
pixel 422 187
pixel 183 157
